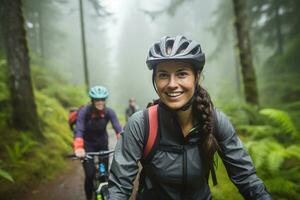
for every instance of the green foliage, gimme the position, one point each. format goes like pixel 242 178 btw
pixel 54 118
pixel 281 120
pixel 30 158
pixel 4 94
pixel 6 175
pixel 50 83
pixel 225 189
pixel 20 148
pixel 282 188
pixel 35 160
pixel 281 74
pixel 275 149
pixel 3 86
pixel 267 154
pixel 291 58
pixel 242 113
pixel 258 131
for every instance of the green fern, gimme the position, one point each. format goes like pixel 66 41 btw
pixel 281 188
pixel 258 151
pixel 4 174
pixel 19 148
pixel 276 157
pixel 258 132
pixel 268 154
pixel 282 120
pixel 294 150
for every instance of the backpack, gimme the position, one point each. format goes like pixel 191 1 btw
pixel 151 116
pixel 72 117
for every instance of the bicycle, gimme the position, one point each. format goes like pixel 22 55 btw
pixel 101 176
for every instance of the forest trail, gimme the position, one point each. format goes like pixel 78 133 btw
pixel 68 185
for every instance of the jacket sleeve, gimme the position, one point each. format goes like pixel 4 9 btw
pixel 80 123
pixel 238 162
pixel 128 152
pixel 115 122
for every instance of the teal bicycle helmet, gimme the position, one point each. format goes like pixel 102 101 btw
pixel 98 92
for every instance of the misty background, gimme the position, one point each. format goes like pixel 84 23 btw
pixel 117 44
pixel 252 74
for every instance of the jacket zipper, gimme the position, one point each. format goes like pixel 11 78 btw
pixel 184 168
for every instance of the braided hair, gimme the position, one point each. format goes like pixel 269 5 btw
pixel 203 111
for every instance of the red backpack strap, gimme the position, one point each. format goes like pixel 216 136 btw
pixel 152 132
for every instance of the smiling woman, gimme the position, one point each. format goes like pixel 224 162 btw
pixel 176 83
pixel 190 130
pixel 90 133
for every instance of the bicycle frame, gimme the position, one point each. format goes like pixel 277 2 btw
pixel 101 176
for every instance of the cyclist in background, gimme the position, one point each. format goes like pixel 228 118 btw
pixel 132 108
pixel 91 134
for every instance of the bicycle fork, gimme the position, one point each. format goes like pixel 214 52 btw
pixel 102 190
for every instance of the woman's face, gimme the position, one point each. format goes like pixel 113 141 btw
pixel 99 104
pixel 175 82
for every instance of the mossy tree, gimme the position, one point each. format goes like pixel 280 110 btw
pixel 24 112
pixel 245 54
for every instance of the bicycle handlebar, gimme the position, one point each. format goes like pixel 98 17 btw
pixel 100 153
pixel 90 155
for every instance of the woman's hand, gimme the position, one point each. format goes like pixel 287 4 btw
pixel 80 153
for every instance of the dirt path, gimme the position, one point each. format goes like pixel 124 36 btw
pixel 68 185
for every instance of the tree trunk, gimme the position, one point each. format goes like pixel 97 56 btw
pixel 85 65
pixel 278 28
pixel 244 47
pixel 24 112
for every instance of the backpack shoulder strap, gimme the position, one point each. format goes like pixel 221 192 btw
pixel 215 129
pixel 152 130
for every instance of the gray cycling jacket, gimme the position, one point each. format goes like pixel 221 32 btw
pixel 179 174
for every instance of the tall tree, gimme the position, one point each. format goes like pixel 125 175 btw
pixel 244 47
pixel 24 112
pixel 267 21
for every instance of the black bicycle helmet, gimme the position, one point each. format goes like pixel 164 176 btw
pixel 176 48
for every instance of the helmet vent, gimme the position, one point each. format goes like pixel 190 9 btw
pixel 195 51
pixel 157 49
pixel 169 46
pixel 182 48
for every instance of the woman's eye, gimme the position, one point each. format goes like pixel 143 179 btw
pixel 163 75
pixel 182 74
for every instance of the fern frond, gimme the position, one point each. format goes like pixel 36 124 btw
pixel 276 156
pixel 258 151
pixel 6 175
pixel 267 154
pixel 281 187
pixel 281 119
pixel 258 131
pixel 294 150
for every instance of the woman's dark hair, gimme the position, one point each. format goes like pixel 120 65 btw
pixel 203 113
